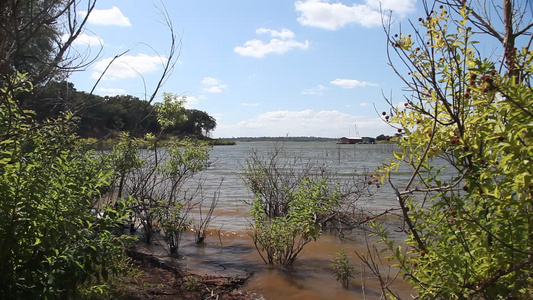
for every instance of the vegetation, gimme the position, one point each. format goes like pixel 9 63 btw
pixel 467 209
pixel 57 239
pixel 343 268
pixel 284 235
pixel 62 206
pixel 104 117
pixel 295 201
pixel 55 235
pixel 159 198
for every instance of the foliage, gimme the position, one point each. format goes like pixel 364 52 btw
pixel 161 199
pixel 468 207
pixel 124 158
pixel 52 236
pixel 274 178
pixel 34 40
pixel 284 236
pixel 343 268
pixel 197 122
pixel 171 111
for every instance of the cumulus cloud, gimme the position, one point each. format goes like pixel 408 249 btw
pixel 333 16
pixel 191 101
pixel 84 40
pixel 112 16
pixel 325 123
pixel 209 81
pixel 127 66
pixel 351 83
pixel 284 34
pixel 317 90
pixel 280 42
pixel 212 85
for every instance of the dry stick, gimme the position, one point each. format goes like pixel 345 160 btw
pixel 363 280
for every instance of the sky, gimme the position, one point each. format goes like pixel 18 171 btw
pixel 260 68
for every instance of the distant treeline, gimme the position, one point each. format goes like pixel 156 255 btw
pixel 368 140
pixel 102 117
pixel 280 139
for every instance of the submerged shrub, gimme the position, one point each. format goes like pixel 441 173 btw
pixel 282 238
pixel 343 268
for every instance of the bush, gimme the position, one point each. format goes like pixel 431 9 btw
pixel 468 207
pixel 160 199
pixel 283 237
pixel 343 268
pixel 52 237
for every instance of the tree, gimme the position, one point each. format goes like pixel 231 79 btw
pixel 54 234
pixel 37 35
pixel 198 122
pixel 467 210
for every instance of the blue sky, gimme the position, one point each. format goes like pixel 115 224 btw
pixel 261 68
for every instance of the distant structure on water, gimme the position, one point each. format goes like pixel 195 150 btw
pixel 357 139
pixel 350 140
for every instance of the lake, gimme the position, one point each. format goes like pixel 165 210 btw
pixel 230 251
pixel 345 160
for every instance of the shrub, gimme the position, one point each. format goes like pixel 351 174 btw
pixel 160 199
pixel 283 237
pixel 52 236
pixel 468 233
pixel 343 268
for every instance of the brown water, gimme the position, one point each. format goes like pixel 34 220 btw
pixel 230 251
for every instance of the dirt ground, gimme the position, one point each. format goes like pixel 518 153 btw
pixel 155 278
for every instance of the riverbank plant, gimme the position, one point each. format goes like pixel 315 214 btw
pixel 295 201
pixel 155 179
pixel 343 268
pixel 54 237
pixel 467 210
pixel 283 237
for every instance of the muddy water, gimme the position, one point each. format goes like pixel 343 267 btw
pixel 230 251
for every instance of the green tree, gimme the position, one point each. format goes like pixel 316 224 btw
pixel 54 235
pixel 34 40
pixel 198 123
pixel 468 124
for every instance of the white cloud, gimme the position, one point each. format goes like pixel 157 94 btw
pixel 209 81
pixel 212 85
pixel 333 16
pixel 215 89
pixel 317 90
pixel 325 123
pixel 351 83
pixel 364 104
pixel 284 34
pixel 128 66
pixel 110 91
pixel 250 104
pixel 112 16
pixel 85 40
pixel 281 42
pixel 191 101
